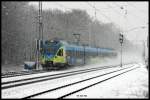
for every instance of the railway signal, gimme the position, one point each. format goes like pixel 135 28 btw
pixel 121 42
pixel 121 38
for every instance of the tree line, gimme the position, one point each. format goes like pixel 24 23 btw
pixel 20 29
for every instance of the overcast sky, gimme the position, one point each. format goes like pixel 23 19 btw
pixel 135 17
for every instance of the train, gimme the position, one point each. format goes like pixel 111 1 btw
pixel 58 53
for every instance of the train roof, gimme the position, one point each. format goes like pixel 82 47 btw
pixel 73 46
pixel 70 46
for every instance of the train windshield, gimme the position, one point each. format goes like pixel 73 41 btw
pixel 50 50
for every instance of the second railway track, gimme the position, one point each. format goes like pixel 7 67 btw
pixel 21 82
pixel 69 89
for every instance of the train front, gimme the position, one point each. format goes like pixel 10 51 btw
pixel 48 52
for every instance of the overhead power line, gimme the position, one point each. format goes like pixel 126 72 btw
pixel 132 14
pixel 117 12
pixel 99 11
pixel 102 14
pixel 139 10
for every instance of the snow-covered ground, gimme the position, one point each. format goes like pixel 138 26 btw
pixel 29 89
pixel 133 84
pixel 11 68
pixel 67 90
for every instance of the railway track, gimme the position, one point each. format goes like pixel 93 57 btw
pixel 21 73
pixel 17 83
pixel 70 89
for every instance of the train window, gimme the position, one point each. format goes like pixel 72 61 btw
pixel 76 52
pixel 71 52
pixel 80 53
pixel 60 52
pixel 68 52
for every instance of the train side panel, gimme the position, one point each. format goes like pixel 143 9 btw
pixel 74 56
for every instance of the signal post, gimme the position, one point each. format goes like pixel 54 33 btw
pixel 121 42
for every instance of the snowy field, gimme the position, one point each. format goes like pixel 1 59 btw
pixel 133 84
